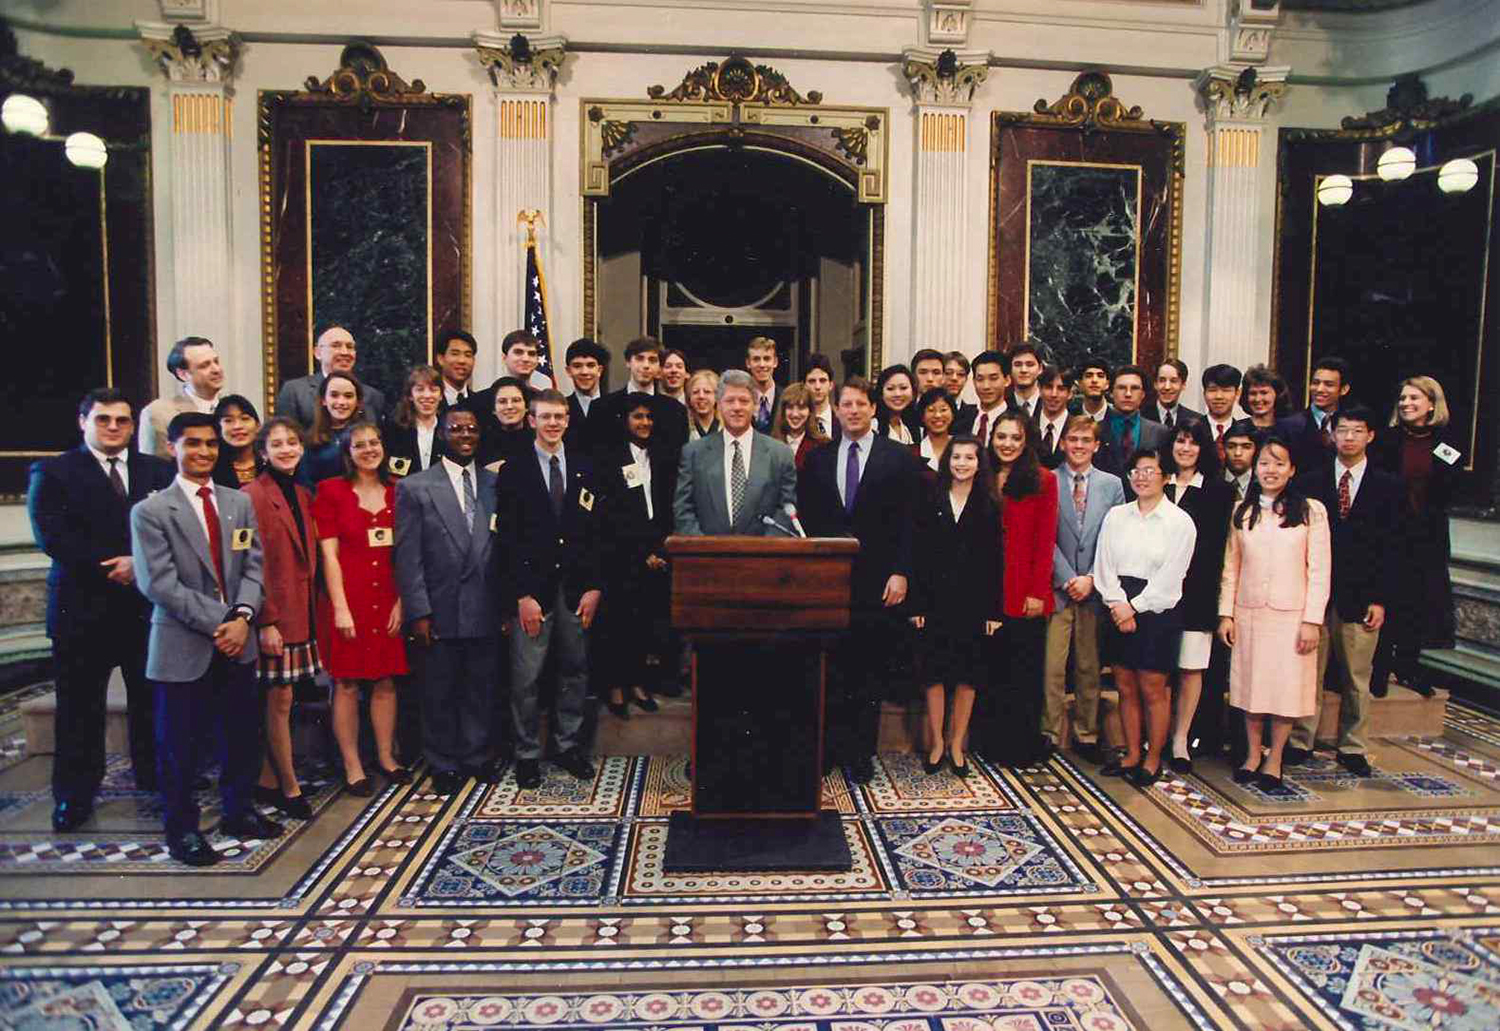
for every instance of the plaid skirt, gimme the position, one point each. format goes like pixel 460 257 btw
pixel 296 663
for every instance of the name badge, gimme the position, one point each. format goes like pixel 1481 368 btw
pixel 1447 453
pixel 400 466
pixel 632 473
pixel 381 537
pixel 585 500
pixel 241 538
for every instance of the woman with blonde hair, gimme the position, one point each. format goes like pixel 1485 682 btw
pixel 1425 451
pixel 793 424
pixel 703 403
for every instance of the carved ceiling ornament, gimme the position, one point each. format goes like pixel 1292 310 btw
pixel 522 64
pixel 1090 102
pixel 1408 109
pixel 1244 94
pixel 736 81
pixel 203 54
pixel 944 77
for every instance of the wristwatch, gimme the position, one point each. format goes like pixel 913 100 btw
pixel 244 612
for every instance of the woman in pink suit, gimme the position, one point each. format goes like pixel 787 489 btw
pixel 1274 590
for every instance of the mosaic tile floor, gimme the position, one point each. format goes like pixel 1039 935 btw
pixel 1044 898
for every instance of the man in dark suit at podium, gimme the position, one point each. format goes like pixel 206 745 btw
pixel 862 486
pixel 730 482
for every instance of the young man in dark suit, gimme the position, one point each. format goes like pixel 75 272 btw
pixel 862 486
pixel 80 506
pixel 1364 505
pixel 1052 415
pixel 1025 394
pixel 586 362
pixel 1167 408
pixel 643 360
pixel 1310 431
pixel 1126 428
pixel 551 516
pixel 443 569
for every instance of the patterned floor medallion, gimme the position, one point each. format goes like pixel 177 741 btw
pixel 111 998
pixel 959 854
pixel 562 863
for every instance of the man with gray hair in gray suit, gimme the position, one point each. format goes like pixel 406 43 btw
pixel 335 351
pixel 197 557
pixel 732 481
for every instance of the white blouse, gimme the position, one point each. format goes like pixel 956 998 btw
pixel 1157 548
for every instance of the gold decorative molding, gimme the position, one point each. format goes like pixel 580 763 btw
pixel 1234 93
pixel 363 75
pixel 206 56
pixel 521 64
pixel 944 77
pixel 1091 104
pixel 735 81
pixel 1408 109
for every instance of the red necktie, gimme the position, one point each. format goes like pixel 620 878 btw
pixel 1219 443
pixel 215 536
pixel 984 424
pixel 1345 500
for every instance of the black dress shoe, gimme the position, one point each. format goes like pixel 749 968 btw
pixel 295 806
pixel 69 816
pixel 491 772
pixel 577 764
pixel 400 775
pixel 1356 764
pixel 1267 782
pixel 1089 752
pixel 1291 755
pixel 1243 776
pixel 363 788
pixel 1425 690
pixel 192 849
pixel 528 774
pixel 447 782
pixel 646 704
pixel 862 770
pixel 1180 765
pixel 252 826
pixel 928 766
pixel 1381 689
pixel 1115 768
pixel 1141 777
pixel 960 770
pixel 618 709
pixel 265 795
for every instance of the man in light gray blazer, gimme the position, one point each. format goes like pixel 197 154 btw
pixel 443 567
pixel 196 553
pixel 335 352
pixel 1084 495
pixel 729 482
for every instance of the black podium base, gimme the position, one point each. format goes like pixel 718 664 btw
pixel 731 845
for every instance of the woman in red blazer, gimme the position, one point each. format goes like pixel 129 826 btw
pixel 288 644
pixel 793 423
pixel 1027 493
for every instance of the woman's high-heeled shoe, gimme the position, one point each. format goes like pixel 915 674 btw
pixel 294 806
pixel 400 775
pixel 1243 776
pixel 1115 768
pixel 928 766
pixel 1267 782
pixel 1142 777
pixel 363 788
pixel 959 771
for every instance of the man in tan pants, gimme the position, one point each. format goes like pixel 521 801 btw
pixel 1084 495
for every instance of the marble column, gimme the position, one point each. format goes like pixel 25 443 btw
pixel 1241 171
pixel 524 74
pixel 942 85
pixel 199 65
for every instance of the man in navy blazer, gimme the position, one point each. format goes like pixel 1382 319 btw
pixel 1073 627
pixel 1364 507
pixel 1310 431
pixel 864 487
pixel 79 504
pixel 444 571
pixel 550 515
pixel 704 504
pixel 197 557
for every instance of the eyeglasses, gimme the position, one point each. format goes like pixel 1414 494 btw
pixel 1144 472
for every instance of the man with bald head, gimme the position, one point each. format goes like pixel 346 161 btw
pixel 335 351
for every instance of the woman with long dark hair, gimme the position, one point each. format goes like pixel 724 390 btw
pixel 1427 453
pixel 792 422
pixel 895 416
pixel 1027 498
pixel 1144 550
pixel 238 422
pixel 1273 593
pixel 955 596
pixel 341 404
pixel 1195 485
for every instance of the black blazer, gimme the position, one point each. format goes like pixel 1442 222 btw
pixel 889 486
pixel 1309 450
pixel 607 422
pixel 401 442
pixel 498 444
pixel 1210 507
pixel 543 551
pixel 958 568
pixel 1363 544
pixel 1185 414
pixel 79 521
pixel 1054 458
pixel 1442 485
pixel 583 430
pixel 631 534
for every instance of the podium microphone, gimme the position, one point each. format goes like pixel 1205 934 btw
pixel 791 512
pixel 771 521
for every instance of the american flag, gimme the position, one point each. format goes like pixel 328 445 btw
pixel 536 311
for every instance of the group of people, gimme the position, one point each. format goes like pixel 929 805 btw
pixel 461 541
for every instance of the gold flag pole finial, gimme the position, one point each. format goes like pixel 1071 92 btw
pixel 529 217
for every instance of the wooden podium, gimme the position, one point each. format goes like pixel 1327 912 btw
pixel 759 614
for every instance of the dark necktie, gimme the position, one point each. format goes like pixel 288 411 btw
pixel 851 479
pixel 555 485
pixel 469 497
pixel 215 536
pixel 1325 433
pixel 763 415
pixel 1168 420
pixel 1047 440
pixel 984 425
pixel 737 482
pixel 1219 443
pixel 116 480
pixel 1346 499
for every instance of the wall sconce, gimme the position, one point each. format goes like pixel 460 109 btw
pixel 1335 190
pixel 1396 164
pixel 1458 176
pixel 27 116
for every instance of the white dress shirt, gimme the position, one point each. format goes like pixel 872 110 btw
pixel 584 400
pixel 632 387
pixel 122 463
pixel 1241 483
pixel 959 503
pixel 643 467
pixel 1356 476
pixel 989 427
pixel 1216 428
pixel 1100 414
pixel 824 419
pixel 425 435
pixel 1156 547
pixel 206 407
pixel 841 467
pixel 1057 425
pixel 453 395
pixel 900 433
pixel 190 488
pixel 794 442
pixel 745 440
pixel 925 450
pixel 456 477
pixel 1029 404
pixel 769 395
pixel 680 397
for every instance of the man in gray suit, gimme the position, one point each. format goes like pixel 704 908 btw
pixel 1084 495
pixel 197 557
pixel 335 352
pixel 730 482
pixel 444 536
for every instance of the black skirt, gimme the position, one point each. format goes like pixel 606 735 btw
pixel 1157 640
pixel 950 653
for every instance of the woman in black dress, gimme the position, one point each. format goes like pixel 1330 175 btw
pixel 955 595
pixel 1428 454
pixel 238 422
pixel 1196 486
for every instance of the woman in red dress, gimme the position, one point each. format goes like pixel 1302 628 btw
pixel 355 517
